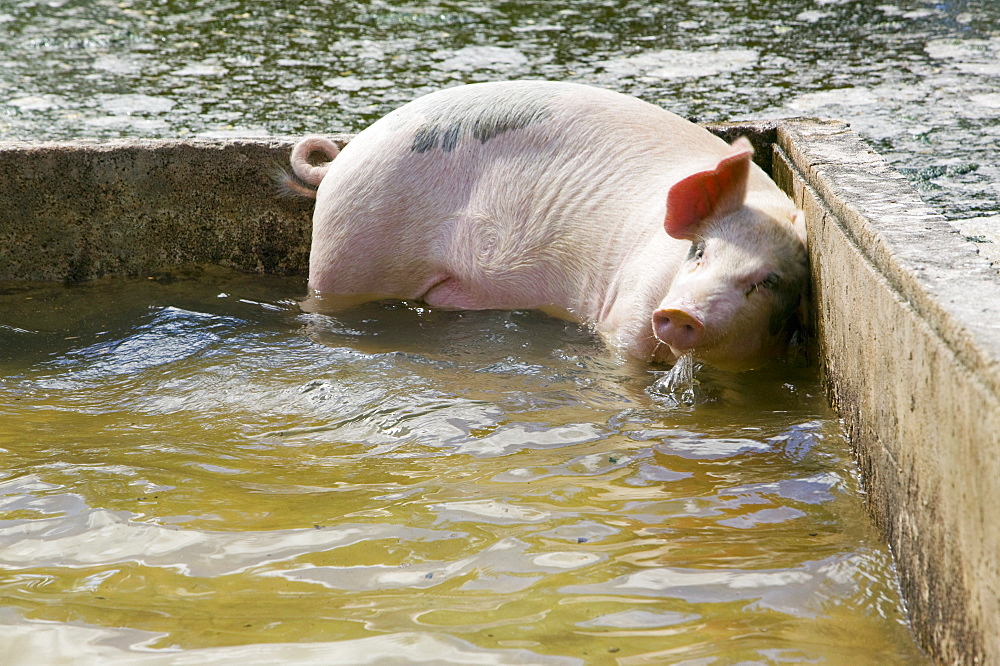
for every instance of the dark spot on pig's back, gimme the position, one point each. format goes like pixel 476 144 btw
pixel 480 118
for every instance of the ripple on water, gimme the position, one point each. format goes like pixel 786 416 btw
pixel 471 58
pixel 132 103
pixel 676 64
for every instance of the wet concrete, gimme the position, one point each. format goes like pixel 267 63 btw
pixel 908 315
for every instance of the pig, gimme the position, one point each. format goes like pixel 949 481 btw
pixel 582 202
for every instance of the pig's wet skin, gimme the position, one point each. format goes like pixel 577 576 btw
pixel 578 201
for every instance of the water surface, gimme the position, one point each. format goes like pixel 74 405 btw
pixel 191 465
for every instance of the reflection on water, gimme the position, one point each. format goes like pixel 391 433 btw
pixel 195 464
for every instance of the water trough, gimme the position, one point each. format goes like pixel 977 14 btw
pixel 907 315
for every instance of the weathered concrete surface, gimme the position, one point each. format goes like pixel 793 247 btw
pixel 80 210
pixel 909 328
pixel 908 316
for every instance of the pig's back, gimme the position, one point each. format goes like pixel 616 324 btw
pixel 522 191
pixel 537 132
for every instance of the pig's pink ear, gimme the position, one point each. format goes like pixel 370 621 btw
pixel 706 193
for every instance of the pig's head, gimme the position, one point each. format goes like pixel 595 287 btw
pixel 734 300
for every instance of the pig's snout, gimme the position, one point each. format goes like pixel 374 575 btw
pixel 678 328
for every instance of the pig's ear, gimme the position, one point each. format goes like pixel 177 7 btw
pixel 716 192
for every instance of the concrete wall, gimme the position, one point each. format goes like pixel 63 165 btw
pixel 80 210
pixel 908 316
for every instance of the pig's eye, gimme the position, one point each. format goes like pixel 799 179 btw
pixel 770 282
pixel 697 251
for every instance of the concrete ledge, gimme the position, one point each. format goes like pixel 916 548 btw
pixel 908 318
pixel 81 210
pixel 908 315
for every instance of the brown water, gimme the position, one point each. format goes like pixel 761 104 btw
pixel 194 469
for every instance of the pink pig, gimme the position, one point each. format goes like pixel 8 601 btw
pixel 582 202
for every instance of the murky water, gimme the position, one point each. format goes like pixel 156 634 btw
pixel 195 467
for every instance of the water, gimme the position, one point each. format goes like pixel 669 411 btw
pixel 917 78
pixel 677 385
pixel 192 466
